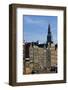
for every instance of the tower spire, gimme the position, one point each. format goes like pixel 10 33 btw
pixel 49 37
pixel 49 29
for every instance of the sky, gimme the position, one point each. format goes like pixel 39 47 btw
pixel 36 28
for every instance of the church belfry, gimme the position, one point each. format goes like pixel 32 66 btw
pixel 49 37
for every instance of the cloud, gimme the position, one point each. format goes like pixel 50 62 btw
pixel 35 21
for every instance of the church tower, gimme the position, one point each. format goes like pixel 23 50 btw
pixel 49 37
